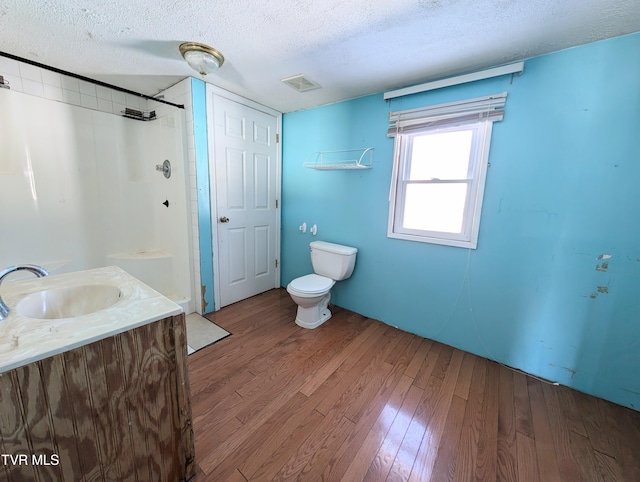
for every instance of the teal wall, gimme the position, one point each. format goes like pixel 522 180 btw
pixel 561 192
pixel 199 103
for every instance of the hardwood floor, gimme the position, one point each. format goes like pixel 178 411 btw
pixel 356 399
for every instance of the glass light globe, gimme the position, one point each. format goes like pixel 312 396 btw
pixel 201 57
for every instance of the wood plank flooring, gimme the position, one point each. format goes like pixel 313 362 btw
pixel 356 399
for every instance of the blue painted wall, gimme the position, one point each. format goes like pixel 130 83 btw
pixel 199 103
pixel 562 191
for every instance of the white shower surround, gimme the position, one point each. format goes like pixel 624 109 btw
pixel 79 189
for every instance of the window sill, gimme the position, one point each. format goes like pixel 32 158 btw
pixel 472 244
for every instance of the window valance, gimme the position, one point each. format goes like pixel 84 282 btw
pixel 444 115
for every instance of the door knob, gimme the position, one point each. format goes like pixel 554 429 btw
pixel 224 219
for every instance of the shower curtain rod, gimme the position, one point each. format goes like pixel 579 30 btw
pixel 88 79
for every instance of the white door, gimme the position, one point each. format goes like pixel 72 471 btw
pixel 245 153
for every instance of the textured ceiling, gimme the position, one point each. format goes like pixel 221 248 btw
pixel 351 48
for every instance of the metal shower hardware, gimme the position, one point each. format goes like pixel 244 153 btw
pixel 138 114
pixel 164 168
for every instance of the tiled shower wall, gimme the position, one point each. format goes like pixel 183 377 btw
pixel 29 79
pixel 180 93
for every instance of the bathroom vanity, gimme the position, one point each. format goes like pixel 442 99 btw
pixel 93 381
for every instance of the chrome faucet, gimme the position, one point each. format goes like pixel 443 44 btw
pixel 37 270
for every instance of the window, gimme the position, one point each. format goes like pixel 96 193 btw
pixel 441 157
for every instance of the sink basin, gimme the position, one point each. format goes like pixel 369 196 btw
pixel 68 302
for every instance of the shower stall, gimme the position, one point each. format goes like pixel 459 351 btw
pixel 79 189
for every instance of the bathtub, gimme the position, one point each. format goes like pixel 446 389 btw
pixel 155 268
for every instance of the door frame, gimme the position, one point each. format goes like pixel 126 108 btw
pixel 212 90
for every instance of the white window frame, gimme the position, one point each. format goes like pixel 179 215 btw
pixel 481 124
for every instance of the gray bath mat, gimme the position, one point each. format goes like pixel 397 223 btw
pixel 202 332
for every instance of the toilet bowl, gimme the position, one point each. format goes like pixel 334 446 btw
pixel 312 294
pixel 331 262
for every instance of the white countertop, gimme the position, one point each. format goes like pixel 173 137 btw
pixel 25 340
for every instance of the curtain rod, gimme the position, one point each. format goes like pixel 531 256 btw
pixel 88 79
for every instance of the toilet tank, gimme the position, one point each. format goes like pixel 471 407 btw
pixel 334 261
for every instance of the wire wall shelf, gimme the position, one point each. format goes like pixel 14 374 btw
pixel 340 160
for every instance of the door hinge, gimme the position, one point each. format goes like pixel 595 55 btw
pixel 276 204
pixel 276 263
pixel 277 138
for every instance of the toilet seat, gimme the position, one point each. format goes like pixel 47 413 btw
pixel 310 285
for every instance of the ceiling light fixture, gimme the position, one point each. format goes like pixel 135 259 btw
pixel 201 57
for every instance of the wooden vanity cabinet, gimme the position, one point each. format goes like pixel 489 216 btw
pixel 115 410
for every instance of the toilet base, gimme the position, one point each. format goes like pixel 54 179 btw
pixel 310 322
pixel 312 312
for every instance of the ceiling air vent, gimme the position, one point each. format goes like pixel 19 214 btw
pixel 300 83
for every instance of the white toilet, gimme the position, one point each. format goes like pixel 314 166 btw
pixel 331 262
